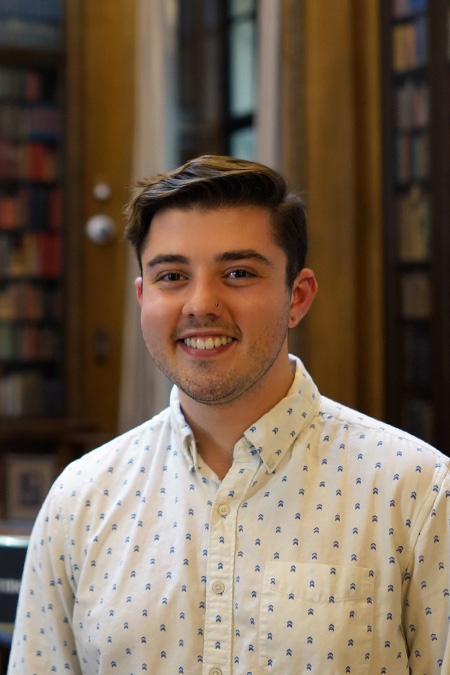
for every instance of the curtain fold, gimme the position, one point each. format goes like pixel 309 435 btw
pixel 144 390
pixel 268 115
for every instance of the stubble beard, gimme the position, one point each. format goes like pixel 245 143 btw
pixel 205 386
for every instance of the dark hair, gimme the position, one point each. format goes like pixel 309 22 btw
pixel 212 182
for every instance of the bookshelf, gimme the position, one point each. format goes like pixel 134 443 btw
pixel 31 213
pixel 40 233
pixel 416 209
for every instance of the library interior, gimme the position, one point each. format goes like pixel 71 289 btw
pixel 349 100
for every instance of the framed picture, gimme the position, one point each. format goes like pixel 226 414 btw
pixel 28 479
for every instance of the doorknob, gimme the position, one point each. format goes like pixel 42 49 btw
pixel 100 228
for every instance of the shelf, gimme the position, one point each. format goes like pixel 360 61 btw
pixel 416 209
pixel 40 429
pixel 40 58
pixel 32 216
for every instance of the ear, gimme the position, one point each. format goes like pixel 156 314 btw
pixel 138 286
pixel 303 293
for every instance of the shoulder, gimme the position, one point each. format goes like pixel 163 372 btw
pixel 118 459
pixel 364 437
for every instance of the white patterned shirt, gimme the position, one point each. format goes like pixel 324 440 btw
pixel 324 550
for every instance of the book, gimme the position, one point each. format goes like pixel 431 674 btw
pixel 420 156
pixel 413 211
pixel 30 393
pixel 410 44
pixel 403 163
pixel 37 10
pixel 18 32
pixel 404 8
pixel 415 295
pixel 412 105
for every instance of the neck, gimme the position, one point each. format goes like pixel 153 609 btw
pixel 217 428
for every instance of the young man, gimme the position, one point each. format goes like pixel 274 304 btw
pixel 254 526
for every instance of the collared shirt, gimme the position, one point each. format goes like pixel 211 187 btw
pixel 325 549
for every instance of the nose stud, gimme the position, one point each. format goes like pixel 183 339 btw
pixel 217 304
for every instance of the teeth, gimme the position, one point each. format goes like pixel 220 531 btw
pixel 207 343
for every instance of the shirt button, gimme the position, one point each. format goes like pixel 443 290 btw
pixel 215 671
pixel 224 509
pixel 271 463
pixel 218 587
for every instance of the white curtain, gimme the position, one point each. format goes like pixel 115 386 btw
pixel 144 390
pixel 268 117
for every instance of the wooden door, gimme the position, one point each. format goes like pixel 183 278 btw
pixel 107 68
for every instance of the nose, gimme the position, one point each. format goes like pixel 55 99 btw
pixel 202 299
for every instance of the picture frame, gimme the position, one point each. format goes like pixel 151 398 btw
pixel 27 480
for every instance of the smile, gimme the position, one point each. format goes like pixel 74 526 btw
pixel 208 343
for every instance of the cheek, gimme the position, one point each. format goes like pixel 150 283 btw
pixel 269 309
pixel 156 314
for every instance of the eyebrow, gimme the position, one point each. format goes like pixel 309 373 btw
pixel 168 258
pixel 243 254
pixel 226 256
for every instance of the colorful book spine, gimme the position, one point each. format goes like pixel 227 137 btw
pixel 410 44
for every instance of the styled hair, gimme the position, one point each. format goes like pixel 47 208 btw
pixel 213 182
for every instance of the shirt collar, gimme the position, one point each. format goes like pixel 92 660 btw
pixel 273 434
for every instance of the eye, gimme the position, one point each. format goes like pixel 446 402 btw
pixel 169 279
pixel 239 274
pixel 170 276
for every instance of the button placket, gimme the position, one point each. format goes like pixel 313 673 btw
pixel 222 552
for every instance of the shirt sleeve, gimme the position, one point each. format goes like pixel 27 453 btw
pixel 43 640
pixel 426 594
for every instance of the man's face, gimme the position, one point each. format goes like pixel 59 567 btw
pixel 215 308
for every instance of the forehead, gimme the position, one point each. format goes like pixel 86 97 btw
pixel 222 226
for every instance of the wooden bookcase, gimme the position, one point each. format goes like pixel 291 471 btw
pixel 416 213
pixel 40 231
pixel 31 240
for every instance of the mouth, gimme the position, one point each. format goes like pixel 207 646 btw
pixel 207 343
